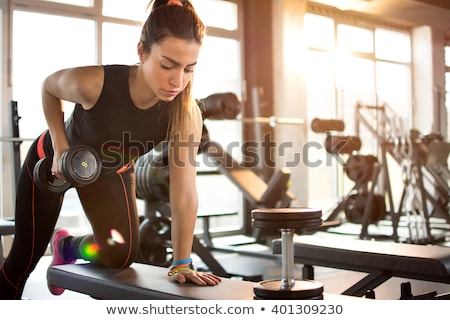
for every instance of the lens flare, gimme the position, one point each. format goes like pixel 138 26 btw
pixel 90 251
pixel 116 238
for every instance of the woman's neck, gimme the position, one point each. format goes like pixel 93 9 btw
pixel 141 95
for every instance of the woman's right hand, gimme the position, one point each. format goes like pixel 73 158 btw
pixel 56 165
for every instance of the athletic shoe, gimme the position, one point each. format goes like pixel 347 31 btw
pixel 58 258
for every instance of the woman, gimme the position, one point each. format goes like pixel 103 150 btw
pixel 122 112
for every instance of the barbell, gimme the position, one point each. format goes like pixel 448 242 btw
pixel 15 139
pixel 273 121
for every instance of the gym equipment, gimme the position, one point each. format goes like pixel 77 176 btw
pixel 15 139
pixel 362 204
pixel 380 260
pixel 80 165
pixel 326 125
pixel 155 246
pixel 355 205
pixel 146 282
pixel 152 175
pixel 220 106
pixel 288 220
pixel 422 160
pixel 335 144
pixel 273 121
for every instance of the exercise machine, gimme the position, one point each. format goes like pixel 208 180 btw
pixel 424 171
pixel 363 204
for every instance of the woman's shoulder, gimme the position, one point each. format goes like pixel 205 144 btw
pixel 116 72
pixel 116 67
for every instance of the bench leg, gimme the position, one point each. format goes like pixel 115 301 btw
pixel 308 272
pixel 370 282
pixel 205 254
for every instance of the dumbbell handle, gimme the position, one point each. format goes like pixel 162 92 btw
pixel 287 259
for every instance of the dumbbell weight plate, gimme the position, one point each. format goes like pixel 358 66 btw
pixel 80 165
pixel 286 218
pixel 355 205
pixel 45 180
pixel 302 290
pixel 155 247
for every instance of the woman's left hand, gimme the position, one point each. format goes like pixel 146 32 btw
pixel 200 278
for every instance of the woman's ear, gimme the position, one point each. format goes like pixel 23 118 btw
pixel 141 53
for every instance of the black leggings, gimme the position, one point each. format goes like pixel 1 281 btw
pixel 109 204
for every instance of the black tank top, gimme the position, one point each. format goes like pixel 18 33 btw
pixel 115 127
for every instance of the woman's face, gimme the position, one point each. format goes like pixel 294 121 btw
pixel 169 66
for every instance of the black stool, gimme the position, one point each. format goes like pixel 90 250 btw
pixel 287 220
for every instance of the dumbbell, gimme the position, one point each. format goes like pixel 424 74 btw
pixel 287 220
pixel 80 166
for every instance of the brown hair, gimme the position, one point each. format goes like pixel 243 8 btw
pixel 180 21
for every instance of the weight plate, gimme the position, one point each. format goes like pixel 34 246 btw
pixel 44 179
pixel 155 247
pixel 81 165
pixel 302 290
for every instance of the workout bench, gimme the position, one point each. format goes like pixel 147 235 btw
pixel 381 260
pixel 145 282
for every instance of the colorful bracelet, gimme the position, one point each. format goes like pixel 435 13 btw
pixel 173 272
pixel 180 262
pixel 175 269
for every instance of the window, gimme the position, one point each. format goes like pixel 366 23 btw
pixel 120 43
pixel 35 56
pixel 392 45
pixel 133 10
pixel 355 39
pixel 218 13
pixel 319 32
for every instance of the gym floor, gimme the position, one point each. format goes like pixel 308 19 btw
pixel 334 281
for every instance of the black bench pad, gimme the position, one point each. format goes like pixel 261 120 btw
pixel 141 281
pixel 145 282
